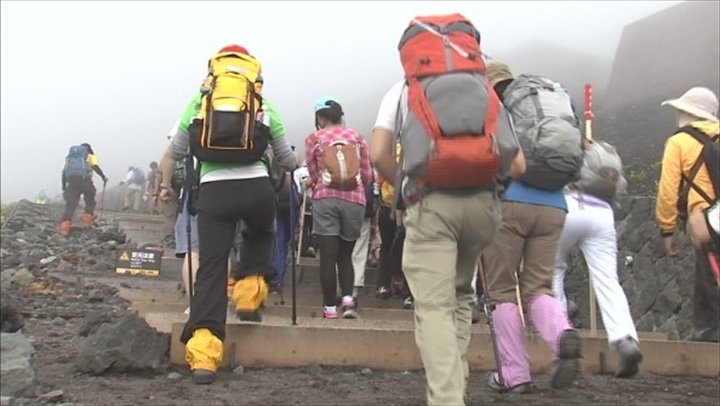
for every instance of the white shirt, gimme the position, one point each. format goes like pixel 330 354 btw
pixel 129 182
pixel 387 113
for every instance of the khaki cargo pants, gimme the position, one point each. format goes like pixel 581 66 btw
pixel 529 233
pixel 445 233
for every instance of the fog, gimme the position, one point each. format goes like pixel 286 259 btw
pixel 118 74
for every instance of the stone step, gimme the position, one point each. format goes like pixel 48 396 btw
pixel 390 345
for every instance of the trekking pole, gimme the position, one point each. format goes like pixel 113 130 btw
pixel 188 225
pixel 588 136
pixel 292 247
pixel 102 201
pixel 488 307
pixel 188 232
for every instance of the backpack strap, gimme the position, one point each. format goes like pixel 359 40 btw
pixel 688 180
pixel 397 182
pixel 535 97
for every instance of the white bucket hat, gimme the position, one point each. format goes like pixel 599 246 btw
pixel 701 102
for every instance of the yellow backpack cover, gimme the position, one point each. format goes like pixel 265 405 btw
pixel 229 127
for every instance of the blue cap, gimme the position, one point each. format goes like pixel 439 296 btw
pixel 323 103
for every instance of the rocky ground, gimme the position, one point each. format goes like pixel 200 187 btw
pixel 67 341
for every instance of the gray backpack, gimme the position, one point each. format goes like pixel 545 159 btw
pixel 548 131
pixel 469 154
pixel 601 174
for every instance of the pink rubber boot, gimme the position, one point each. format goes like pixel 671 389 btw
pixel 552 324
pixel 514 359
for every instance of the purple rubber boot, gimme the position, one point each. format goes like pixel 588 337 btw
pixel 514 360
pixel 552 324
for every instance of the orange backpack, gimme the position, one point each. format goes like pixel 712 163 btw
pixel 448 136
pixel 339 163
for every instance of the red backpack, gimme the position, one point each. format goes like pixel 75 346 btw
pixel 448 135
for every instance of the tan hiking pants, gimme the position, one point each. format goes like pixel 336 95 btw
pixel 445 234
pixel 530 233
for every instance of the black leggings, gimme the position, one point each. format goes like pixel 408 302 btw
pixel 221 205
pixel 334 251
pixel 72 193
pixel 390 262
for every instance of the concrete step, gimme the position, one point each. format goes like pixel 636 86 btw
pixel 170 310
pixel 161 316
pixel 307 299
pixel 390 345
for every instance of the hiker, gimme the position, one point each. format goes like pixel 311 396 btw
pixel 183 246
pixel 391 281
pixel 451 209
pixel 339 168
pixel 233 185
pixel 362 245
pixel 171 208
pixel 685 188
pixel 80 163
pixel 307 243
pixel 152 176
pixel 41 198
pixel 286 202
pixel 590 224
pixel 135 181
pixel 522 256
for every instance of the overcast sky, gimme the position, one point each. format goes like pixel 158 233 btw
pixel 118 74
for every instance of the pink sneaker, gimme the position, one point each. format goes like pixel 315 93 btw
pixel 348 308
pixel 330 312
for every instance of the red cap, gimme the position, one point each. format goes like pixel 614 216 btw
pixel 235 48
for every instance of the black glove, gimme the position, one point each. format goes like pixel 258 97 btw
pixel 105 181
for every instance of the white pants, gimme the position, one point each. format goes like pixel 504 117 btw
pixel 360 253
pixel 590 223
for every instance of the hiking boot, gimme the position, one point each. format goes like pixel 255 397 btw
pixel 249 296
pixel 65 227
pixel 630 358
pixel 494 384
pixel 408 303
pixel 330 312
pixel 276 290
pixel 382 293
pixel 567 367
pixel 87 219
pixel 204 354
pixel 203 377
pixel 348 308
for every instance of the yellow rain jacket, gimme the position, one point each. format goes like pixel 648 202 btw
pixel 681 153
